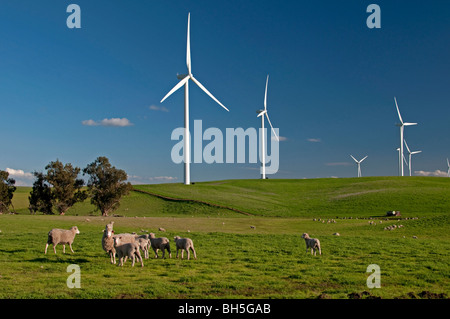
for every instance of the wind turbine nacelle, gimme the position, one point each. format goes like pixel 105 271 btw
pixel 181 76
pixel 259 111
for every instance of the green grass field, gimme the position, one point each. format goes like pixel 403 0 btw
pixel 235 260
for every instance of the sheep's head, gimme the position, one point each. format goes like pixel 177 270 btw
pixel 305 235
pixel 117 241
pixel 109 230
pixel 176 238
pixel 75 229
pixel 152 235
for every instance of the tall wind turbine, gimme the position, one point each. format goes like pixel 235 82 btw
pixel 359 164
pixel 263 146
pixel 184 81
pixel 402 126
pixel 410 154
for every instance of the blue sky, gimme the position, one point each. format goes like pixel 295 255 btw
pixel 331 88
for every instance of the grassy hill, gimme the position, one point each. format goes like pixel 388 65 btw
pixel 327 197
pixel 235 260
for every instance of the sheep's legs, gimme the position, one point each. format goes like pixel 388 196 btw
pixel 193 250
pixel 70 245
pixel 46 246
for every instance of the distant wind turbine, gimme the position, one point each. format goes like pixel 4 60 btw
pixel 448 172
pixel 359 164
pixel 410 154
pixel 404 159
pixel 402 126
pixel 263 146
pixel 184 81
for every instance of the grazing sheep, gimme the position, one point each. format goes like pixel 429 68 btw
pixel 61 236
pixel 160 243
pixel 184 244
pixel 161 229
pixel 108 242
pixel 312 243
pixel 127 250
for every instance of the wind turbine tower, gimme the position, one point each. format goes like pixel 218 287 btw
pixel 359 164
pixel 184 79
pixel 261 114
pixel 402 127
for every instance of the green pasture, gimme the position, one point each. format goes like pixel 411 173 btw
pixel 235 260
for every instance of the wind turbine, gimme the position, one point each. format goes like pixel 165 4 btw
pixel 402 127
pixel 410 153
pixel 184 81
pixel 404 159
pixel 359 164
pixel 263 146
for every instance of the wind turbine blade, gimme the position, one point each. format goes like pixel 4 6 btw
pixel 261 113
pixel 265 95
pixel 353 158
pixel 207 92
pixel 406 144
pixel 188 45
pixel 176 87
pixel 398 111
pixel 416 152
pixel 267 115
pixel 363 159
pixel 448 163
pixel 408 124
pixel 404 159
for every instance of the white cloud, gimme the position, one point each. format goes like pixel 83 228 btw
pixel 437 173
pixel 163 178
pixel 18 173
pixel 338 164
pixel 314 140
pixel 281 138
pixel 135 179
pixel 119 122
pixel 158 108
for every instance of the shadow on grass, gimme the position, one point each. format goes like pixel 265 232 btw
pixel 60 260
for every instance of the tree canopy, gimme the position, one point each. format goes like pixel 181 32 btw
pixel 106 185
pixel 7 189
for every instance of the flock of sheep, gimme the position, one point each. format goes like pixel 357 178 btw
pixel 124 245
pixel 128 245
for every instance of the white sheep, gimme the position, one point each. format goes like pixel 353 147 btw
pixel 184 244
pixel 312 243
pixel 126 237
pixel 160 243
pixel 108 242
pixel 127 250
pixel 61 236
pixel 144 243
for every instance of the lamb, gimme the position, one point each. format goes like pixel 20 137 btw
pixel 312 243
pixel 185 244
pixel 144 242
pixel 108 242
pixel 61 236
pixel 127 250
pixel 160 243
pixel 126 237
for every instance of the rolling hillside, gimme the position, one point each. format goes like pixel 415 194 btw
pixel 358 197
